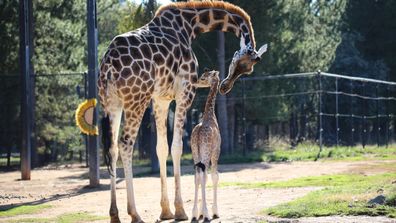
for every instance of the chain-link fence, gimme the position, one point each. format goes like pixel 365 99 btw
pixel 262 112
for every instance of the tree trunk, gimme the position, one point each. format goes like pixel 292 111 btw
pixel 221 99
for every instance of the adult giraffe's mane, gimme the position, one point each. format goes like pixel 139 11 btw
pixel 212 4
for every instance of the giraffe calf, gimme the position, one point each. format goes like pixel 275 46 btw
pixel 205 146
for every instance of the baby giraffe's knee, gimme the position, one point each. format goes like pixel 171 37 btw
pixel 200 167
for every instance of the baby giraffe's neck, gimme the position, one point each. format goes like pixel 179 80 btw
pixel 210 101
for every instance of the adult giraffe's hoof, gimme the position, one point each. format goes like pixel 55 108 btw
pixel 137 219
pixel 115 219
pixel 166 215
pixel 180 215
pixel 215 216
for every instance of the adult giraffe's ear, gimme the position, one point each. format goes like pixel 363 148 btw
pixel 262 50
pixel 257 56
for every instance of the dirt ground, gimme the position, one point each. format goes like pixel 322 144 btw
pixel 64 188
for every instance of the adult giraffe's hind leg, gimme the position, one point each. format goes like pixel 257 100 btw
pixel 161 108
pixel 133 116
pixel 115 120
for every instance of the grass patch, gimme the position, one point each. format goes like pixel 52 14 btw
pixel 65 218
pixel 13 161
pixel 309 152
pixel 303 152
pixel 342 195
pixel 24 209
pixel 315 181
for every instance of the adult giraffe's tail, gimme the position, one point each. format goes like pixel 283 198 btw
pixel 106 142
pixel 105 122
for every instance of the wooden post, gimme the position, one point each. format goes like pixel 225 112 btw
pixel 93 143
pixel 25 30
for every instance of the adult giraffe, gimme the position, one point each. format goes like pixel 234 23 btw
pixel 156 62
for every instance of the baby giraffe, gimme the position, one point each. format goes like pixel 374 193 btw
pixel 205 146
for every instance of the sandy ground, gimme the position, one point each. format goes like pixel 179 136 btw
pixel 65 189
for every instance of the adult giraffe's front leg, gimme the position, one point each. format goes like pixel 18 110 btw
pixel 183 103
pixel 161 108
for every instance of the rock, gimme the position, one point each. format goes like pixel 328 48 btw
pixel 380 199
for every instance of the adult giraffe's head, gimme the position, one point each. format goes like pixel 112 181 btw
pixel 205 16
pixel 242 63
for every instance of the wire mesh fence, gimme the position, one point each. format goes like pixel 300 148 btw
pixel 264 112
pixel 55 136
pixel 321 108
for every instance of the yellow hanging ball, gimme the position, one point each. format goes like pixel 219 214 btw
pixel 84 117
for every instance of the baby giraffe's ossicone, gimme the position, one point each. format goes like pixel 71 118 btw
pixel 205 146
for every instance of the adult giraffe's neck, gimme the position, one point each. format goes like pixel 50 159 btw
pixel 188 23
pixel 211 100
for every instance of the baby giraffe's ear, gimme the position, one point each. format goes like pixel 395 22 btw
pixel 206 70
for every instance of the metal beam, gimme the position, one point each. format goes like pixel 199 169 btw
pixel 93 143
pixel 25 30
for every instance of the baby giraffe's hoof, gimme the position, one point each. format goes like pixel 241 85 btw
pixel 206 220
pixel 194 220
pixel 215 216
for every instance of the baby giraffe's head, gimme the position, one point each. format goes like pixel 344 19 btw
pixel 208 78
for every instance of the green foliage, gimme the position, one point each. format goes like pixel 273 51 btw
pixel 9 78
pixel 9 35
pixel 374 22
pixel 302 36
pixel 24 209
pixel 341 196
pixel 60 47
pixel 136 15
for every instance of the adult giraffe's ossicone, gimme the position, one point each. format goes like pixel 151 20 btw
pixel 156 62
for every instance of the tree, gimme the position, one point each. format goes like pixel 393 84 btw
pixel 9 77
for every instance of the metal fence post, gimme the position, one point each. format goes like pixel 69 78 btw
pixel 320 129
pixel 387 118
pixel 378 116
pixel 336 115
pixel 352 143
pixel 364 132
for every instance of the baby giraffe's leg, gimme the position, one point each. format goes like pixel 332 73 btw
pixel 215 181
pixel 204 211
pixel 195 215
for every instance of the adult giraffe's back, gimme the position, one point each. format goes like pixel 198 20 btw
pixel 156 62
